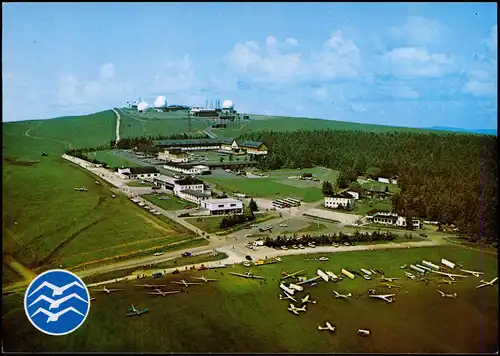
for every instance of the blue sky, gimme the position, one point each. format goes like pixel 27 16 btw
pixel 406 64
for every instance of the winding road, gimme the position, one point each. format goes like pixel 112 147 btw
pixel 117 125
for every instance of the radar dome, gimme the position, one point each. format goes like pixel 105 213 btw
pixel 142 106
pixel 160 102
pixel 228 104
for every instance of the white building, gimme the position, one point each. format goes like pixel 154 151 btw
pixel 176 156
pixel 343 200
pixel 193 196
pixel 145 173
pixel 393 219
pixel 188 184
pixel 387 180
pixel 123 173
pixel 222 206
pixel 187 169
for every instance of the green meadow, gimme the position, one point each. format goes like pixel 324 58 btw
pixel 241 315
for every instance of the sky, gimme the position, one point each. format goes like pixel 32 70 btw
pixel 402 64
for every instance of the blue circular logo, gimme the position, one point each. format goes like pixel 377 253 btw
pixel 57 302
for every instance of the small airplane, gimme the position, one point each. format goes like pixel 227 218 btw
pixel 332 275
pixel 204 279
pixel 81 189
pixel 135 311
pixel 296 287
pixel 390 285
pixel 163 293
pixel 450 275
pixel 247 275
pixel 288 296
pixel 367 272
pixel 444 295
pixel 307 299
pixel 286 275
pixel 410 275
pixel 296 310
pixel 290 291
pixel 387 297
pixel 474 273
pixel 448 281
pixel 186 284
pixel 484 284
pixel 106 290
pixel 151 285
pixel 388 279
pixel 309 280
pixel 345 296
pixel 327 327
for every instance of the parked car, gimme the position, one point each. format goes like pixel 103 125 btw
pixel 248 257
pixel 294 246
pixel 301 246
pixel 158 253
pixel 284 248
pixel 186 254
pixel 157 275
pixel 424 235
pixel 176 272
pixel 335 244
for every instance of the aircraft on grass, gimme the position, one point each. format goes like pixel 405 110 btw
pixel 484 284
pixel 204 279
pixel 290 291
pixel 182 281
pixel 309 280
pixel 444 295
pixel 296 287
pixel 135 311
pixel 296 310
pixel 449 281
pixel 474 273
pixel 286 275
pixel 451 275
pixel 307 299
pixel 387 297
pixel 288 296
pixel 410 275
pixel 388 279
pixel 91 299
pixel 327 327
pixel 106 290
pixel 332 275
pixel 150 285
pixel 163 293
pixel 345 296
pixel 389 285
pixel 247 275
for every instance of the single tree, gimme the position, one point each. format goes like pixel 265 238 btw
pixel 253 205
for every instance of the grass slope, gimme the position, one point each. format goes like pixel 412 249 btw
pixel 239 315
pixel 46 222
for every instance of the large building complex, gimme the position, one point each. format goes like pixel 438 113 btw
pixel 207 144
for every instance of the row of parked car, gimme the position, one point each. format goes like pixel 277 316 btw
pixel 310 244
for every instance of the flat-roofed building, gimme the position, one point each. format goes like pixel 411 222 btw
pixel 223 206
pixel 173 155
pixel 192 169
pixel 193 196
pixel 340 200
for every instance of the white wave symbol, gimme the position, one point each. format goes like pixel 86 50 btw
pixel 55 316
pixel 56 290
pixel 57 302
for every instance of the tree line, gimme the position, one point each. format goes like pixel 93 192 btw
pixel 448 177
pixel 328 239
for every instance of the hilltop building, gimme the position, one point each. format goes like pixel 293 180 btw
pixel 208 144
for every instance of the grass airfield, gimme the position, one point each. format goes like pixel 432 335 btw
pixel 239 315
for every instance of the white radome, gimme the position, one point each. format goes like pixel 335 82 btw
pixel 228 104
pixel 160 102
pixel 143 106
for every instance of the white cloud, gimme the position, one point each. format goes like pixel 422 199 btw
pixel 418 31
pixel 175 76
pixel 406 93
pixel 277 63
pixel 357 108
pixel 481 88
pixel 105 91
pixel 319 94
pixel 492 41
pixel 407 62
pixel 107 71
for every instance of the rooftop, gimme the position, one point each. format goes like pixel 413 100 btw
pixel 165 179
pixel 195 193
pixel 223 201
pixel 142 170
pixel 251 144
pixel 188 181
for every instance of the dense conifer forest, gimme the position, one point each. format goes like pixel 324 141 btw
pixel 451 178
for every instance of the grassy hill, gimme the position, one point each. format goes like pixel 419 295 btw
pixel 46 223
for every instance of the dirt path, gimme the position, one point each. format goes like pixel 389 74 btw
pixel 22 270
pixel 117 126
pixel 27 134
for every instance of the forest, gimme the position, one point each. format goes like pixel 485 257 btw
pixel 447 177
